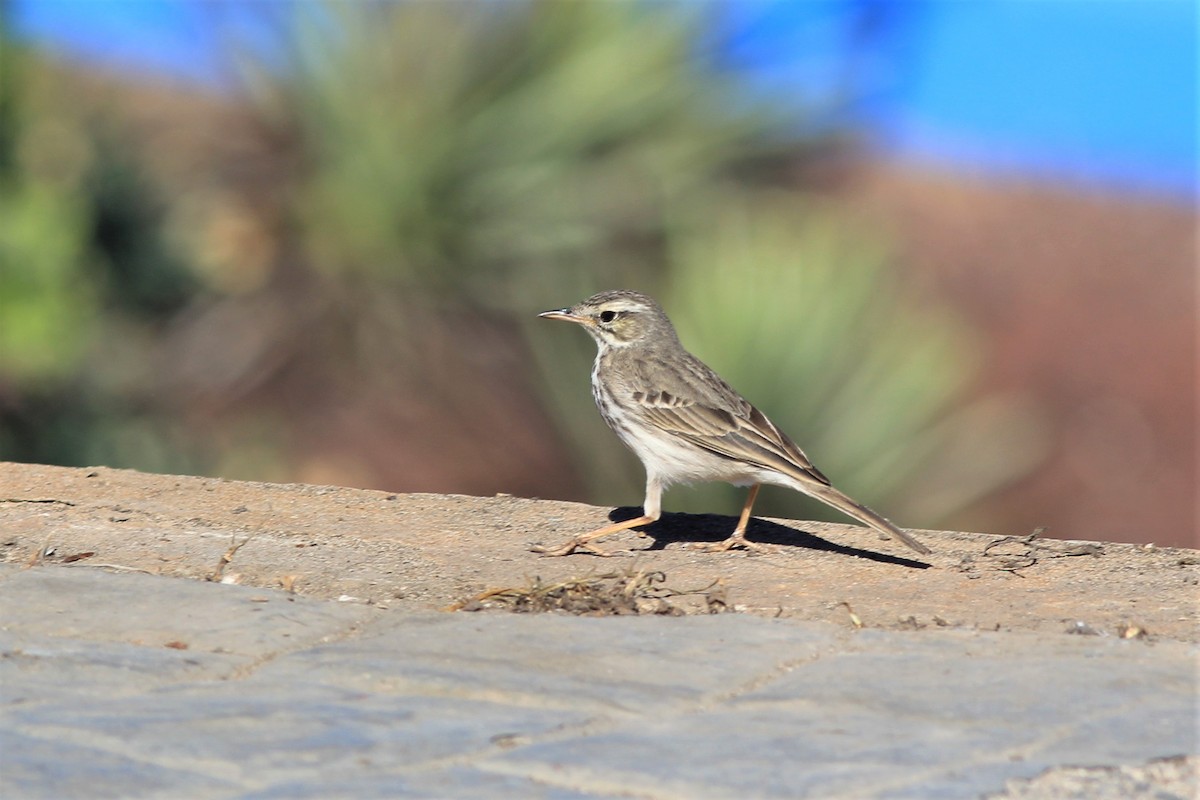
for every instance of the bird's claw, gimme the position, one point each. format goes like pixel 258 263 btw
pixel 736 542
pixel 570 546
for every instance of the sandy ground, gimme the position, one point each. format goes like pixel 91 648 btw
pixel 425 551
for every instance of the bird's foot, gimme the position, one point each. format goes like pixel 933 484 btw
pixel 570 546
pixel 737 541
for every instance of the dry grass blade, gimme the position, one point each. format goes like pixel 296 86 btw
pixel 624 593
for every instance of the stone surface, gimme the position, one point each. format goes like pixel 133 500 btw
pixel 425 552
pixel 128 685
pixel 115 683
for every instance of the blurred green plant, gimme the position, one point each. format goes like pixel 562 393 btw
pixel 47 294
pixel 501 156
pixel 85 279
pixel 811 320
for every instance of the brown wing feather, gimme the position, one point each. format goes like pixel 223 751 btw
pixel 698 406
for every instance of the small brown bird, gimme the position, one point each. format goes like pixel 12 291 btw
pixel 685 423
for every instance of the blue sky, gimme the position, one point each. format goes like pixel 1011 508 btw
pixel 1098 91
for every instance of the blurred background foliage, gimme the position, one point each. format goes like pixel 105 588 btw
pixel 809 318
pixel 87 281
pixel 346 292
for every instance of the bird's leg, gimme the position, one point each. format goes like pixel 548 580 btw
pixel 651 511
pixel 583 541
pixel 738 539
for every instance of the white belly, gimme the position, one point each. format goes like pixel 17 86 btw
pixel 671 459
pixel 675 460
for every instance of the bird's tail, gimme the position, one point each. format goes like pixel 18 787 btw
pixel 841 502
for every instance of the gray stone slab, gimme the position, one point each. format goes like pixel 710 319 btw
pixel 39 668
pixel 32 768
pixel 948 715
pixel 282 697
pixel 454 782
pixel 256 735
pixel 92 605
pixel 605 665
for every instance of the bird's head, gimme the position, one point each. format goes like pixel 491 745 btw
pixel 618 318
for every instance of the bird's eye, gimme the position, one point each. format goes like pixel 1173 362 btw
pixel 608 316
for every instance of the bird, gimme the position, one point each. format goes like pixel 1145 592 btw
pixel 686 424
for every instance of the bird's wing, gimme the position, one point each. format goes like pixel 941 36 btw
pixel 710 414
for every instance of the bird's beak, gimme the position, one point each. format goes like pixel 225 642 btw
pixel 565 314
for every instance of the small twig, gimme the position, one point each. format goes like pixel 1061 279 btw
pixel 854 620
pixel 40 556
pixel 1025 540
pixel 1013 562
pixel 216 575
pixel 669 592
pixel 117 567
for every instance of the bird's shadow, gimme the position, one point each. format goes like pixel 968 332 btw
pixel 673 527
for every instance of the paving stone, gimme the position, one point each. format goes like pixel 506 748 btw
pixel 96 606
pixel 613 664
pixel 278 696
